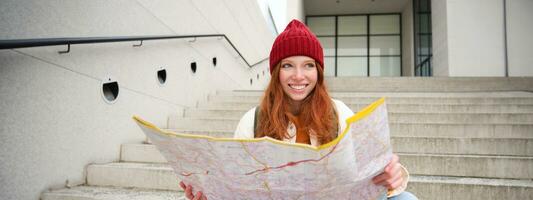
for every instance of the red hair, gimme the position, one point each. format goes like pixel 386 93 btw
pixel 316 112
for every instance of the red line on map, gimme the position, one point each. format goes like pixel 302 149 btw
pixel 191 173
pixel 292 163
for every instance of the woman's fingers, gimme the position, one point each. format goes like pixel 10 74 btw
pixel 200 196
pixel 389 172
pixel 188 192
pixel 390 180
pixel 395 184
pixel 394 160
pixel 379 179
pixel 391 176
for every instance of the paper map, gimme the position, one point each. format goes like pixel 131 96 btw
pixel 264 168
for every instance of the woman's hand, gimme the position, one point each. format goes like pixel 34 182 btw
pixel 188 192
pixel 392 175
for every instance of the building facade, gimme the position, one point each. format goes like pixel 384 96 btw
pixel 449 38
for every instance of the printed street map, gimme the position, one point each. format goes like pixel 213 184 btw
pixel 264 168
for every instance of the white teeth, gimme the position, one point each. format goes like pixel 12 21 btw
pixel 297 87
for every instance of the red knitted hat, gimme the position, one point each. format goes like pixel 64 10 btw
pixel 296 40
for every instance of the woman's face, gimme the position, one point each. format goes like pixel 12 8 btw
pixel 298 76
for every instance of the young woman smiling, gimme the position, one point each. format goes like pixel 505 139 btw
pixel 297 108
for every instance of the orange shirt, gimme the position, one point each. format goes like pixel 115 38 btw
pixel 301 135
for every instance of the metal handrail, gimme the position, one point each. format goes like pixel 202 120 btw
pixel 21 43
pixel 423 63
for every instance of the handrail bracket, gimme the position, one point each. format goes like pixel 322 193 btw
pixel 138 45
pixel 67 51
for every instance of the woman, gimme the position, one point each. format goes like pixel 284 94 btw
pixel 297 108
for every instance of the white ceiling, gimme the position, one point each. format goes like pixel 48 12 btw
pixel 331 7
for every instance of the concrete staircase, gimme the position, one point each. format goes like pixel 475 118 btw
pixel 457 143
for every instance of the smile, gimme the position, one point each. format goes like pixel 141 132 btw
pixel 298 86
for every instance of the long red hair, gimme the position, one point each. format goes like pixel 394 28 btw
pixel 316 112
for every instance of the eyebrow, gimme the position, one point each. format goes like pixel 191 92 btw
pixel 288 61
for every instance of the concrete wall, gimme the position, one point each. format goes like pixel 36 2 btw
pixel 475 38
pixel 295 10
pixel 439 23
pixel 468 38
pixel 54 119
pixel 520 37
pixel 407 40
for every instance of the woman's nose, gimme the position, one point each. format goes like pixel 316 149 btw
pixel 299 73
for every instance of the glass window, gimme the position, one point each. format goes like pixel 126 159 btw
pixel 328 44
pixel 322 25
pixel 422 37
pixel 385 66
pixel 425 43
pixel 424 6
pixel 351 42
pixel 384 24
pixel 425 27
pixel 352 46
pixel 352 25
pixel 384 45
pixel 352 66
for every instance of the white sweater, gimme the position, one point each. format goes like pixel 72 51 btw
pixel 245 129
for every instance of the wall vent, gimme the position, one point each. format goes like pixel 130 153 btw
pixel 110 90
pixel 193 67
pixel 162 76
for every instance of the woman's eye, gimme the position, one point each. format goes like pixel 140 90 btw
pixel 310 65
pixel 286 65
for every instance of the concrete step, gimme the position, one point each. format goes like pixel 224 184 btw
pixel 221 110
pixel 392 109
pixel 464 130
pixel 458 146
pixel 110 193
pixel 150 153
pixel 201 124
pixel 401 107
pixel 260 93
pixel 509 167
pixel 138 175
pixel 140 153
pixel 160 175
pixel 199 113
pixel 445 188
pixel 422 145
pixel 397 129
pixel 421 130
pixel 425 187
pixel 395 100
pixel 230 122
pixel 425 164
pixel 429 84
pixel 470 118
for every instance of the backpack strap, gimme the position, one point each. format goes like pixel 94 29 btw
pixel 256 118
pixel 338 120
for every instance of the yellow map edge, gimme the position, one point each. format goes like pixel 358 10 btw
pixel 361 114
